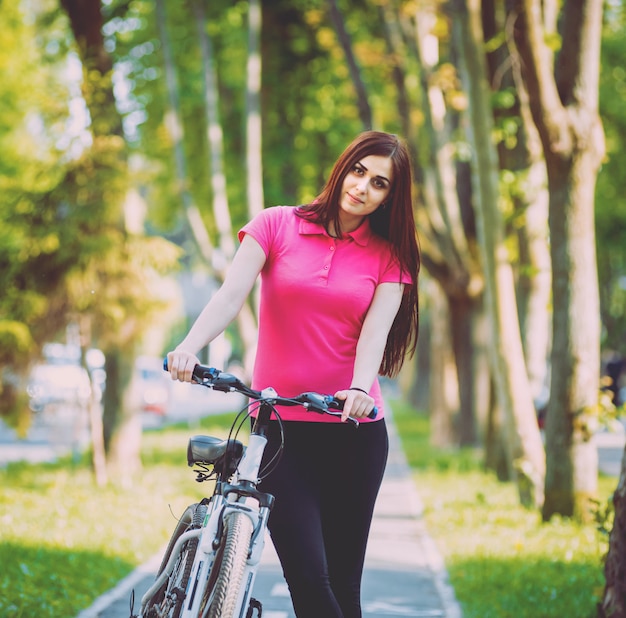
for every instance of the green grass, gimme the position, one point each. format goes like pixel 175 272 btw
pixel 502 560
pixel 63 541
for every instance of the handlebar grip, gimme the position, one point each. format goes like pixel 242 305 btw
pixel 337 404
pixel 200 372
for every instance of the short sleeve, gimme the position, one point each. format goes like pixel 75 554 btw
pixel 394 273
pixel 263 228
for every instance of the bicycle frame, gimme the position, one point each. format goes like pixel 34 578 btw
pixel 240 495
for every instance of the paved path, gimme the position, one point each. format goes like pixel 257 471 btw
pixel 404 575
pixel 610 451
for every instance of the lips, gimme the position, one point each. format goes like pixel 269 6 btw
pixel 353 199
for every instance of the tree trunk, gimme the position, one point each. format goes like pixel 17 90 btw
pixel 535 286
pixel 498 457
pixel 246 320
pixel 365 111
pixel 254 151
pixel 443 386
pixel 563 98
pixel 94 409
pixel 506 346
pixel 446 219
pixel 393 38
pixel 215 138
pixel 86 22
pixel 470 343
pixel 522 153
pixel 613 603
pixel 175 126
pixel 482 381
pixel 572 468
pixel 418 384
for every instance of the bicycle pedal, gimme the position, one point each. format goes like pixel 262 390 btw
pixel 254 604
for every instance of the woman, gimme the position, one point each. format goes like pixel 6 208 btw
pixel 338 307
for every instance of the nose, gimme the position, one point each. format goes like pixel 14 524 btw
pixel 361 185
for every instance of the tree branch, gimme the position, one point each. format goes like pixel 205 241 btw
pixel 537 67
pixel 577 68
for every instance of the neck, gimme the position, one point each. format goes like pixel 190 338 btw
pixel 346 225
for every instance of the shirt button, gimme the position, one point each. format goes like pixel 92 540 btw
pixel 325 267
pixel 332 248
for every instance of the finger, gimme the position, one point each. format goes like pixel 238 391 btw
pixel 362 406
pixel 184 368
pixel 190 365
pixel 181 366
pixel 349 405
pixel 341 395
pixel 172 365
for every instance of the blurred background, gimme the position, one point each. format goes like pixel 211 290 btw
pixel 138 136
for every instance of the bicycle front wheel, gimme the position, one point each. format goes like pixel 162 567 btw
pixel 224 585
pixel 169 599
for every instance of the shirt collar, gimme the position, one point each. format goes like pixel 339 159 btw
pixel 361 235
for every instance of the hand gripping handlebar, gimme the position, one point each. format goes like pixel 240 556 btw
pixel 226 382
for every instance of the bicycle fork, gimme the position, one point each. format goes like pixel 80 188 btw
pixel 210 538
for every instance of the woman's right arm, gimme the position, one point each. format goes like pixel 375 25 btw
pixel 220 311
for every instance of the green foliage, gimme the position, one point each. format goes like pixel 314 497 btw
pixel 64 250
pixel 502 560
pixel 57 559
pixel 308 101
pixel 31 168
pixel 15 342
pixel 611 185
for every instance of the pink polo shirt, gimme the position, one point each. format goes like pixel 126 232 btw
pixel 315 293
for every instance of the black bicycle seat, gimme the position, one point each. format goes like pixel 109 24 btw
pixel 208 449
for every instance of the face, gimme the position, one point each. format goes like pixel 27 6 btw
pixel 364 189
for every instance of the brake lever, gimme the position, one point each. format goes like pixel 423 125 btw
pixel 339 414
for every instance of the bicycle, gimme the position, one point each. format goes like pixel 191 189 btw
pixel 211 561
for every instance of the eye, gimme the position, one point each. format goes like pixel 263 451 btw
pixel 357 169
pixel 379 184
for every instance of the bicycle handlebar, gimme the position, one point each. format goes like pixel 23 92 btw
pixel 227 382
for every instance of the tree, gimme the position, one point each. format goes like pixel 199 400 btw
pixel 254 129
pixel 563 98
pixel 611 229
pixel 34 228
pixel 365 112
pixel 118 314
pixel 175 127
pixel 507 360
pixel 611 186
pixel 427 111
pixel 523 185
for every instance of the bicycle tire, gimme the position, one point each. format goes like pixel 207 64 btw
pixel 168 600
pixel 224 585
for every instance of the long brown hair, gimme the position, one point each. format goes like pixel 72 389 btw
pixel 394 222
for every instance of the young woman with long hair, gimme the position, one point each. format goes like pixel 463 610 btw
pixel 338 307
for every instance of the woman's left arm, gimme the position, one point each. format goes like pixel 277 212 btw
pixel 370 348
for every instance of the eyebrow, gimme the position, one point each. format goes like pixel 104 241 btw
pixel 378 176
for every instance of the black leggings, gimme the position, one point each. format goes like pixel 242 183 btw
pixel 325 486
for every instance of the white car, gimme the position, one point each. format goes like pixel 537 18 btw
pixel 52 383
